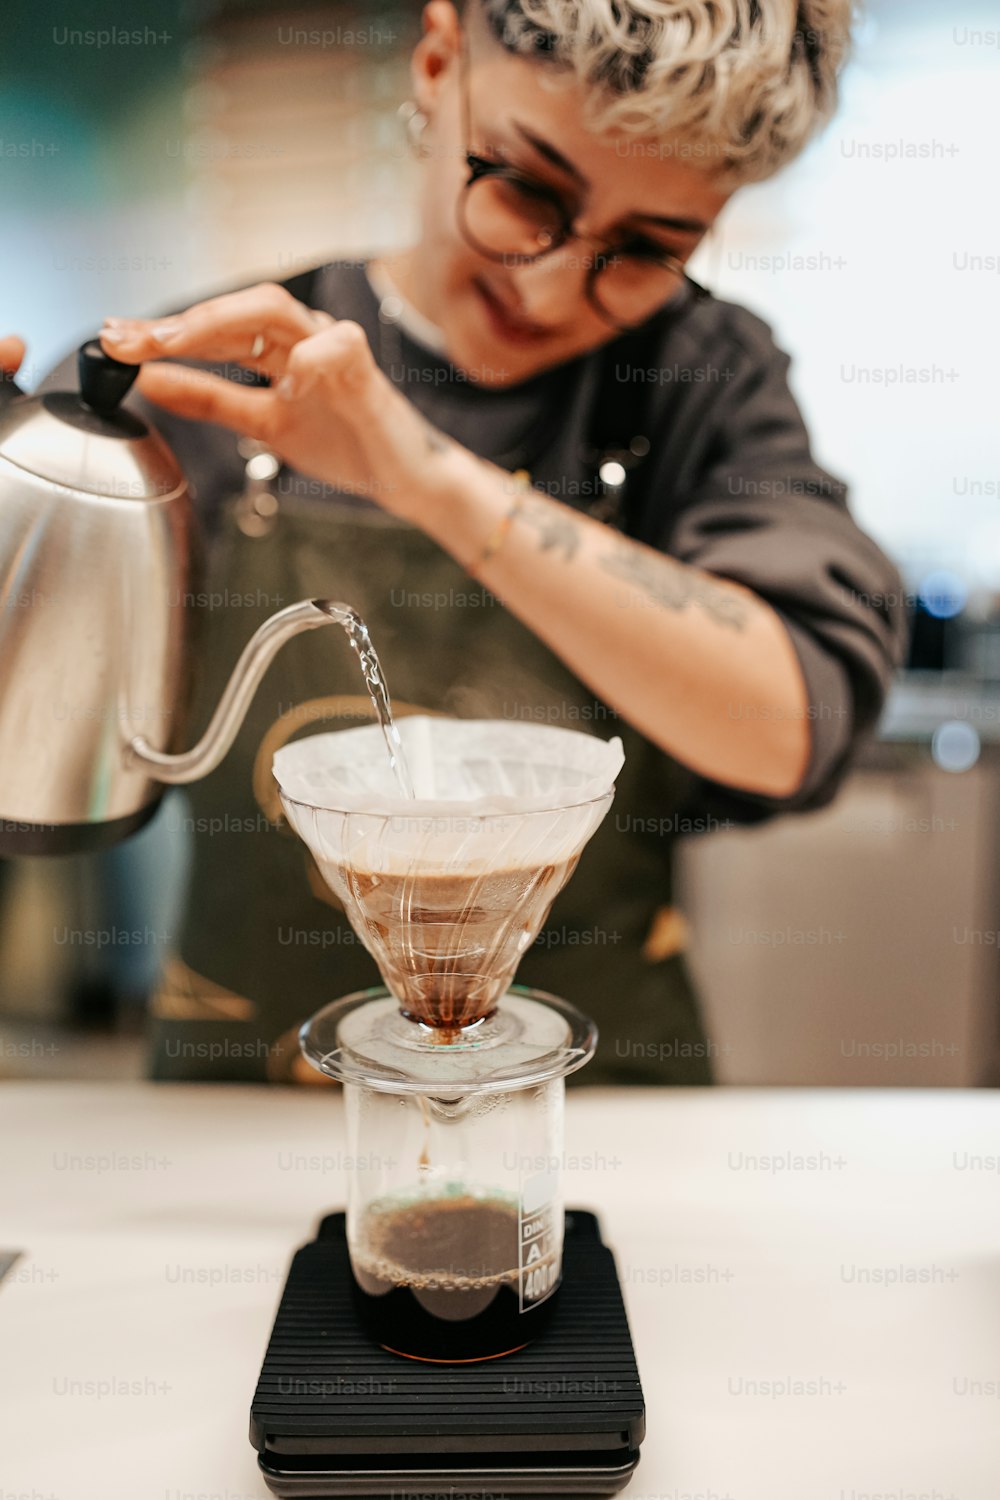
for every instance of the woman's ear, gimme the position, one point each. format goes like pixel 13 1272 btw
pixel 436 52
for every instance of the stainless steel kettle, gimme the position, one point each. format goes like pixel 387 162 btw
pixel 97 544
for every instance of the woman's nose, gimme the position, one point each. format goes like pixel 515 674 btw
pixel 554 289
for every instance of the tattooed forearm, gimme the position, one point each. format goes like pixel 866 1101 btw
pixel 675 585
pixel 557 529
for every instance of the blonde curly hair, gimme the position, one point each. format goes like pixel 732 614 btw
pixel 737 85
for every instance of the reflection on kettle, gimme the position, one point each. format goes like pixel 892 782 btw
pixel 97 545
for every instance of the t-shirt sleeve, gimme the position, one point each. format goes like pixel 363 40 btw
pixel 763 513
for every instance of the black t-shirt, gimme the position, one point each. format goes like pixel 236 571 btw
pixel 720 474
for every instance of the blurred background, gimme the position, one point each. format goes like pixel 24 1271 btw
pixel 855 946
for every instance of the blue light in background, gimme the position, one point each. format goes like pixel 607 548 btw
pixel 942 593
pixel 955 746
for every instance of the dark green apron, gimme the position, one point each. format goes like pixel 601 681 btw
pixel 264 944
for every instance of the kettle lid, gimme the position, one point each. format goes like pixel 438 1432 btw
pixel 87 441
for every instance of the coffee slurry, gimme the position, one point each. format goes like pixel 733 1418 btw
pixel 447 945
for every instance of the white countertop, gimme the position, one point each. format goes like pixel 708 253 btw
pixel 779 1357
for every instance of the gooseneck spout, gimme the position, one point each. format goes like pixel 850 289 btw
pixel 257 655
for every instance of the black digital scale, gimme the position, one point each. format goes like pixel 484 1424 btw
pixel 335 1414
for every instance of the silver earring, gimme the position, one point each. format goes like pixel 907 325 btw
pixel 415 122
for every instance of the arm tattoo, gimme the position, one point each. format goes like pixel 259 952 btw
pixel 674 585
pixel 557 529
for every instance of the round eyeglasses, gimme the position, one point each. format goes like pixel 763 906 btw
pixel 507 217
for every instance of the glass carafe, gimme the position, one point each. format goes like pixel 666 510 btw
pixel 455 1210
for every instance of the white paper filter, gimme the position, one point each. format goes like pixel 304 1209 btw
pixel 490 793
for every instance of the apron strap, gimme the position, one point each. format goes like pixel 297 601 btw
pixel 622 421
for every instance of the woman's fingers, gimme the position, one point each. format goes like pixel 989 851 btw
pixel 207 398
pixel 340 359
pixel 333 414
pixel 256 326
pixel 11 354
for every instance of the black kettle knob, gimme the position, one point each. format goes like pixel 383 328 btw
pixel 104 381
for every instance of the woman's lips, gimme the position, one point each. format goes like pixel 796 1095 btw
pixel 504 324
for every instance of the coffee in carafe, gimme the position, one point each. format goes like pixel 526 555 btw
pixel 445 1275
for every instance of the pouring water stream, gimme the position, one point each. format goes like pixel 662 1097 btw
pixel 371 668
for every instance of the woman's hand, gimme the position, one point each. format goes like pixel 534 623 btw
pixel 330 412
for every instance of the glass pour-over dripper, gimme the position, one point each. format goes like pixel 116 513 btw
pixel 448 889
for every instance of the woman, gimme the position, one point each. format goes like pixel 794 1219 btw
pixel 532 404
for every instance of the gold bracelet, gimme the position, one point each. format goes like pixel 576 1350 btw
pixel 496 541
